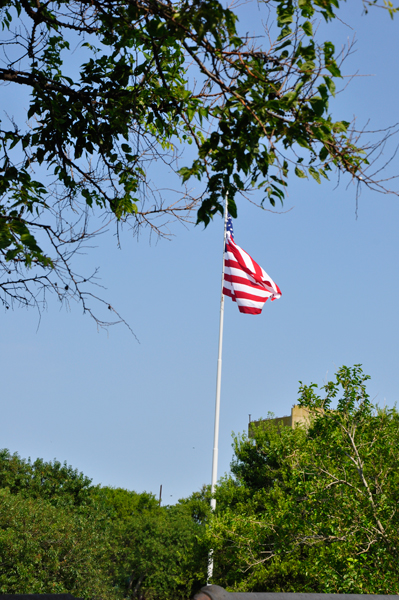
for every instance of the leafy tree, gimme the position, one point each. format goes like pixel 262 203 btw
pixel 121 504
pixel 52 481
pixel 48 549
pixel 157 551
pixel 325 517
pixel 199 504
pixel 59 533
pixel 255 113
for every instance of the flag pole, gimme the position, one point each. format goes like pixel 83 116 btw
pixel 218 388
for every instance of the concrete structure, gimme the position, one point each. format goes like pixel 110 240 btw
pixel 299 416
pixel 215 592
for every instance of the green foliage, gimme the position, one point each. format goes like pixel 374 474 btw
pixel 309 509
pixel 59 533
pixel 386 4
pixel 316 507
pixel 120 504
pixel 94 128
pixel 159 554
pixel 198 505
pixel 48 549
pixel 156 552
pixel 60 485
pixel 53 538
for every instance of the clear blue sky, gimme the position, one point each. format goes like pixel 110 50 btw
pixel 140 415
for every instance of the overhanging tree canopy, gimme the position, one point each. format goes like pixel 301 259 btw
pixel 156 76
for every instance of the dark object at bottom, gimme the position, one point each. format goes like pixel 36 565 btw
pixel 215 592
pixel 38 597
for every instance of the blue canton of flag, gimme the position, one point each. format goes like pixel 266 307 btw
pixel 229 226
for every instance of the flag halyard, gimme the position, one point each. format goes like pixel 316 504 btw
pixel 245 282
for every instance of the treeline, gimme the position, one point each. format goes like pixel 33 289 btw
pixel 59 533
pixel 307 509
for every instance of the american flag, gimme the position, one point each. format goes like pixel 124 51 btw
pixel 244 280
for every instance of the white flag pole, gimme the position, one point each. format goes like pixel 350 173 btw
pixel 218 388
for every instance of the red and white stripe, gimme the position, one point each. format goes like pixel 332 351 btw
pixel 245 281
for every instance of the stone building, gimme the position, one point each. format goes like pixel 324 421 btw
pixel 299 415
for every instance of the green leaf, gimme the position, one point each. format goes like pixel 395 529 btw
pixel 334 70
pixel 308 29
pixel 319 105
pixel 340 126
pixel 330 84
pixel 315 174
pixel 300 173
pixel 185 173
pixel 323 154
